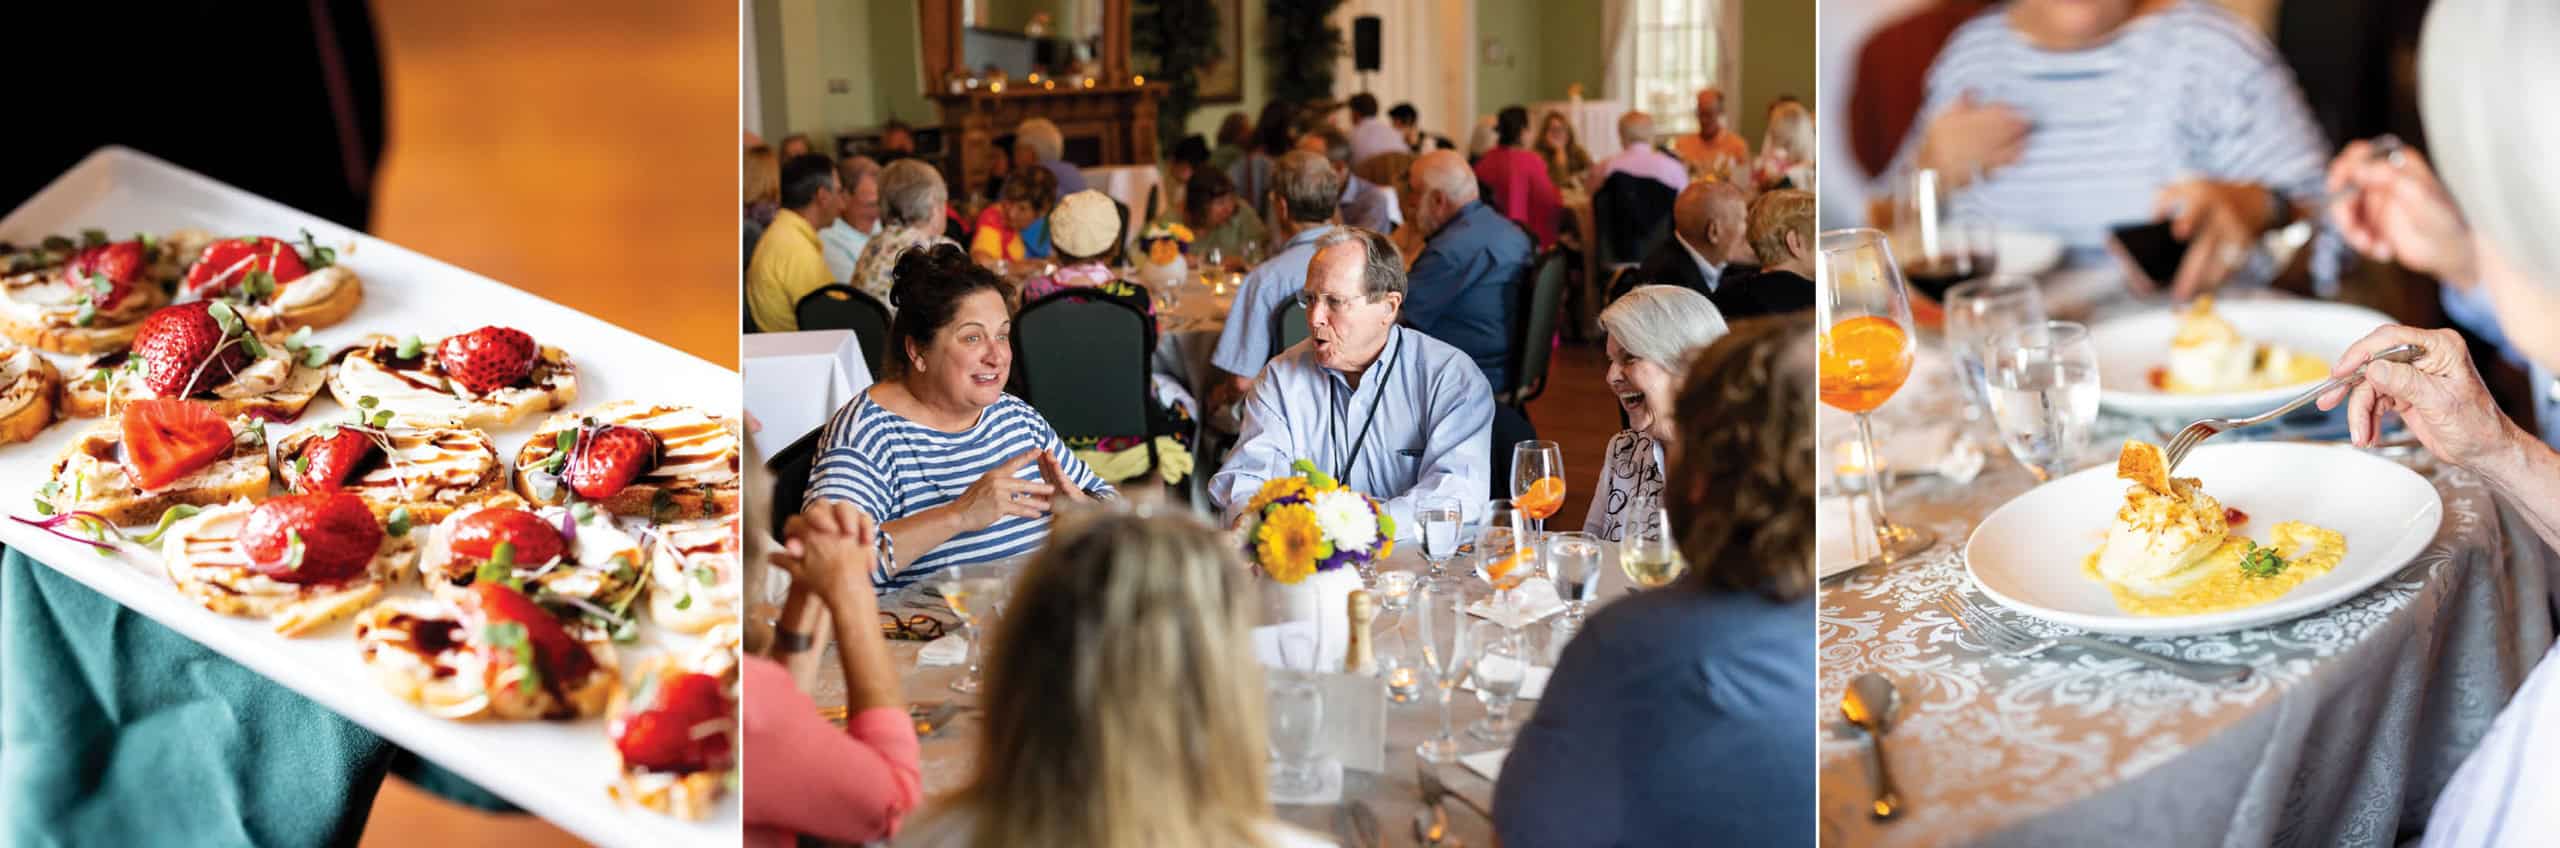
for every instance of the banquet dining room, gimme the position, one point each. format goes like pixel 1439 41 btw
pixel 2181 407
pixel 1100 500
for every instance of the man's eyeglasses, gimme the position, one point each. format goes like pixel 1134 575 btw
pixel 918 627
pixel 1334 302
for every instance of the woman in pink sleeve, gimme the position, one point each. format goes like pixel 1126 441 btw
pixel 1516 181
pixel 804 776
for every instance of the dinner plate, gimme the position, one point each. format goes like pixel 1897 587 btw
pixel 2026 252
pixel 2129 346
pixel 2028 553
pixel 557 770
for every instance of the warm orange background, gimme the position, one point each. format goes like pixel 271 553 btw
pixel 586 152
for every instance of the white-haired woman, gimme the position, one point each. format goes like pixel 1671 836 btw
pixel 1123 703
pixel 2486 225
pixel 1651 332
pixel 1786 149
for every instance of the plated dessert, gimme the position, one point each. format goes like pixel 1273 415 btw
pixel 489 652
pixel 2210 356
pixel 299 561
pixel 207 351
pixel 489 377
pixel 279 286
pixel 2174 550
pixel 84 296
pixel 631 458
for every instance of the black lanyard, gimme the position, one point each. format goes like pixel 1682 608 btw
pixel 1343 473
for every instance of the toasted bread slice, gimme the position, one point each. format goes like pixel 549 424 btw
pixel 203 555
pixel 693 574
pixel 696 476
pixel 274 387
pixel 319 299
pixel 416 390
pixel 42 308
pixel 602 564
pixel 427 470
pixel 91 476
pixel 432 653
pixel 686 795
pixel 28 384
pixel 2142 462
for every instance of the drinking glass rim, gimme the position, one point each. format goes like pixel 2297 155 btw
pixel 2011 285
pixel 2058 333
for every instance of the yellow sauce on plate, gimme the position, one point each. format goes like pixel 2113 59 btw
pixel 2308 552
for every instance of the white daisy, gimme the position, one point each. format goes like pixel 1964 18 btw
pixel 1346 519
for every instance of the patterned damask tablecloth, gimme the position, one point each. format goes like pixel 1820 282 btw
pixel 2350 727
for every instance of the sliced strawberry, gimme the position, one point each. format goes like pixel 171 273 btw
pixel 120 262
pixel 330 461
pixel 316 538
pixel 175 345
pixel 609 458
pixel 229 261
pixel 168 439
pixel 686 730
pixel 487 359
pixel 477 536
pixel 562 658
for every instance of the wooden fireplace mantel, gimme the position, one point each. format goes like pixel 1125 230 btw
pixel 1119 120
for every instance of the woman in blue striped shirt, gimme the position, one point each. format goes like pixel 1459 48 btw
pixel 957 470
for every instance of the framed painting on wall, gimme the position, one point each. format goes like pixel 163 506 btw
pixel 1223 81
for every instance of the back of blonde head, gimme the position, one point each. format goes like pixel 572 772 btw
pixel 1124 706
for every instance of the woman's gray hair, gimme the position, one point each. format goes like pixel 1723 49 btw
pixel 1043 137
pixel 2477 62
pixel 1663 324
pixel 1381 264
pixel 911 192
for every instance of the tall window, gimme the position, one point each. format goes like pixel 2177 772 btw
pixel 1675 47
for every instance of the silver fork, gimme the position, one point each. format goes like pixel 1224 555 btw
pixel 2005 638
pixel 2195 433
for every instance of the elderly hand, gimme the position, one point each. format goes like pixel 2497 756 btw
pixel 2440 396
pixel 2398 210
pixel 1971 137
pixel 998 494
pixel 2220 223
pixel 830 549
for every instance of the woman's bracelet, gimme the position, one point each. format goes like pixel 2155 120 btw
pixel 788 642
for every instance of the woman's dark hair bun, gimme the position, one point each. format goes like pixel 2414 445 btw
pixel 920 269
pixel 925 290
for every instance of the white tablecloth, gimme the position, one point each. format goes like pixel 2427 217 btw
pixel 1128 184
pixel 795 381
pixel 1595 123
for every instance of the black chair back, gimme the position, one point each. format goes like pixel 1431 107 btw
pixel 1631 216
pixel 837 306
pixel 1542 301
pixel 1082 361
pixel 1288 325
pixel 791 469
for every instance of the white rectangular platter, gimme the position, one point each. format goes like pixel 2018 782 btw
pixel 558 770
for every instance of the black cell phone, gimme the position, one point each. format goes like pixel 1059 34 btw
pixel 2153 248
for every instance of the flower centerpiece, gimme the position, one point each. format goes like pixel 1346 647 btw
pixel 1164 245
pixel 1310 536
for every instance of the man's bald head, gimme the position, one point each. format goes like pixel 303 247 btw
pixel 1710 111
pixel 1711 216
pixel 1440 183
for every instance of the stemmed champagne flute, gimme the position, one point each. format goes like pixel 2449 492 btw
pixel 2043 386
pixel 1648 552
pixel 1864 349
pixel 973 592
pixel 1537 482
pixel 1976 312
pixel 1449 652
pixel 1442 517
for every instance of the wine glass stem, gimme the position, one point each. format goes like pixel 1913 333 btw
pixel 971 628
pixel 1445 731
pixel 1885 528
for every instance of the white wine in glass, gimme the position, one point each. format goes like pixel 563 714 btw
pixel 1649 552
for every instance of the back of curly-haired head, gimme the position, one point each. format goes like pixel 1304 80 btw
pixel 1741 482
pixel 926 287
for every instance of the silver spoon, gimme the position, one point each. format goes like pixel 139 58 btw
pixel 1431 827
pixel 1867 704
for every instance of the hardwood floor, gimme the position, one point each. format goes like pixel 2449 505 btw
pixel 1579 414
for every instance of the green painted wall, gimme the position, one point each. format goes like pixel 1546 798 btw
pixel 1782 30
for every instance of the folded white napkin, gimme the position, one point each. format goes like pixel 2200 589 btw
pixel 950 650
pixel 1845 536
pixel 1533 682
pixel 1535 599
pixel 1327 790
pixel 1487 763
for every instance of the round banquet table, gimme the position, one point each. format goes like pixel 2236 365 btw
pixel 1393 796
pixel 1187 335
pixel 2353 722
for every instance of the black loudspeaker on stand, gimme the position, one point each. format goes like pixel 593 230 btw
pixel 1364 47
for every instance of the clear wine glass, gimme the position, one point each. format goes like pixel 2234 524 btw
pixel 1449 654
pixel 1500 669
pixel 2043 386
pixel 1648 551
pixel 1574 559
pixel 1297 723
pixel 1504 552
pixel 1442 518
pixel 1864 350
pixel 975 593
pixel 1978 310
pixel 1537 482
pixel 1941 241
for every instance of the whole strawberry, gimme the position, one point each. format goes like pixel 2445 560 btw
pixel 532 541
pixel 487 359
pixel 336 537
pixel 683 731
pixel 329 462
pixel 175 345
pixel 608 458
pixel 120 262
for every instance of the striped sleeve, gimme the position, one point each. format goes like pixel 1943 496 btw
pixel 850 467
pixel 2251 120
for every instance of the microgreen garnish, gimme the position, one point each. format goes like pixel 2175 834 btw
pixel 91 523
pixel 44 496
pixel 301 467
pixel 500 566
pixel 399 524
pixel 410 347
pixel 564 443
pixel 224 316
pixel 59 244
pixel 92 238
pixel 367 402
pixel 293 550
pixel 2259 561
pixel 510 636
pixel 318 257
pixel 583 510
pixel 704 575
pixel 258 284
pixel 168 518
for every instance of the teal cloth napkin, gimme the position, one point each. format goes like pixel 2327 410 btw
pixel 115 730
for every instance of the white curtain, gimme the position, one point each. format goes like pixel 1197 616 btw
pixel 1426 58
pixel 1662 51
pixel 750 89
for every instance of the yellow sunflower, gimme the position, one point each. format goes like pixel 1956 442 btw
pixel 1289 544
pixel 1279 487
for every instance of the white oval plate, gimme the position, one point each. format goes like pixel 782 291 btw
pixel 2027 555
pixel 2027 252
pixel 2129 346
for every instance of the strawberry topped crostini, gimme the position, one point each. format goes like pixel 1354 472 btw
pixel 489 377
pixel 203 350
pixel 277 286
pixel 81 297
pixel 415 474
pixel 570 557
pixel 693 574
pixel 488 652
pixel 298 561
pixel 28 383
pixel 675 731
pixel 158 454
pixel 631 458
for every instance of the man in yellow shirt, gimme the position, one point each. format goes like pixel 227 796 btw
pixel 789 262
pixel 1714 152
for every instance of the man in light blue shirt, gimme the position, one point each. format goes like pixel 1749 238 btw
pixel 1364 204
pixel 1304 188
pixel 842 241
pixel 1390 412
